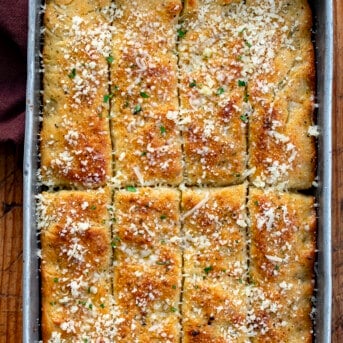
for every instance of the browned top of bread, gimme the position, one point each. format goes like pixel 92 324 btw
pixel 144 86
pixel 282 255
pixel 212 106
pixel 216 98
pixel 76 256
pixel 147 277
pixel 214 300
pixel 281 91
pixel 75 139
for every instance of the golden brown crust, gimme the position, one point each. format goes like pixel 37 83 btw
pixel 76 257
pixel 187 99
pixel 281 265
pixel 211 99
pixel 214 304
pixel 75 138
pixel 147 277
pixel 144 85
pixel 282 95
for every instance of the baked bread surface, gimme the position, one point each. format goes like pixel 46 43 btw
pixel 176 140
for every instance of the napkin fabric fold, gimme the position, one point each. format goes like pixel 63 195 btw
pixel 13 42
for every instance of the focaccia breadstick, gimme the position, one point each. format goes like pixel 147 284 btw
pixel 75 136
pixel 147 277
pixel 281 92
pixel 215 303
pixel 76 257
pixel 213 108
pixel 282 256
pixel 144 106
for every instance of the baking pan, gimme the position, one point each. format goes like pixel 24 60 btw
pixel 323 36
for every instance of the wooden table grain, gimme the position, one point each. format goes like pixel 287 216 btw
pixel 11 214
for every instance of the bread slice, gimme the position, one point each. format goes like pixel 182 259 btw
pixel 212 107
pixel 144 106
pixel 214 307
pixel 147 276
pixel 75 136
pixel 282 257
pixel 75 268
pixel 281 92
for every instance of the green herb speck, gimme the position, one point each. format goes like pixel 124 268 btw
pixel 220 91
pixel 107 97
pixel 110 59
pixel 144 95
pixel 208 269
pixel 137 109
pixel 181 33
pixel 131 189
pixel 192 84
pixel 244 118
pixel 72 74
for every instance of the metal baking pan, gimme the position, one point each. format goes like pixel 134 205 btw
pixel 323 36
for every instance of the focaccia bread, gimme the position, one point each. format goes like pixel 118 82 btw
pixel 215 303
pixel 212 107
pixel 75 137
pixel 281 91
pixel 176 142
pixel 148 260
pixel 282 254
pixel 144 107
pixel 77 304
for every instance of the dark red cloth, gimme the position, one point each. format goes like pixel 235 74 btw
pixel 13 39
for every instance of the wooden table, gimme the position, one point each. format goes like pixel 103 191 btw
pixel 11 215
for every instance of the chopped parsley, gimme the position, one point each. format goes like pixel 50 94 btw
pixel 110 59
pixel 55 279
pixel 208 269
pixel 241 83
pixel 277 267
pixel 181 33
pixel 131 189
pixel 102 305
pixel 246 97
pixel 93 207
pixel 72 74
pixel 249 45
pixel 244 118
pixel 220 91
pixel 173 309
pixel 115 241
pixel 163 216
pixel 107 97
pixel 174 287
pixel 137 109
pixel 256 203
pixel 144 95
pixel 192 84
pixel 90 306
pixel 143 153
pixel 163 130
pixel 240 280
